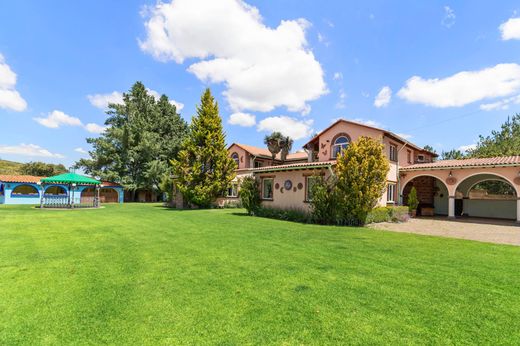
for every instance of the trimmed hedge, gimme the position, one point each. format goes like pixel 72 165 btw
pixel 388 214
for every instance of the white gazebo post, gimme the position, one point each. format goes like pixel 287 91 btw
pixel 41 193
pixel 72 190
pixel 451 207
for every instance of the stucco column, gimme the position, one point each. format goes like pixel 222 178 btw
pixel 451 206
pixel 518 210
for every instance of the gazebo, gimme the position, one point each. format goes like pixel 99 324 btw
pixel 64 191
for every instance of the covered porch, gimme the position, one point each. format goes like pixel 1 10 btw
pixel 485 188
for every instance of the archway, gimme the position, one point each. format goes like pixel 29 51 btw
pixel 55 190
pixel 487 195
pixel 106 195
pixel 432 194
pixel 25 191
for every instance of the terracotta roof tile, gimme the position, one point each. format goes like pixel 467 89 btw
pixel 256 151
pixel 19 178
pixel 483 162
pixel 293 166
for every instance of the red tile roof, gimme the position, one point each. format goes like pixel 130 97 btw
pixel 483 162
pixel 264 152
pixel 109 183
pixel 294 166
pixel 20 178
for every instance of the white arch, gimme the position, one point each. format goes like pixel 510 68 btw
pixel 422 175
pixel 495 174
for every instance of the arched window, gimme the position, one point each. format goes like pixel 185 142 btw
pixel 339 145
pixel 25 191
pixel 55 191
pixel 235 157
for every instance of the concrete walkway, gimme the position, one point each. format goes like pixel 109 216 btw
pixel 485 230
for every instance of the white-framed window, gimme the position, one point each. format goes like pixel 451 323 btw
pixel 267 188
pixel 409 156
pixel 233 190
pixel 309 183
pixel 258 164
pixel 390 192
pixel 393 152
pixel 235 157
pixel 420 158
pixel 339 145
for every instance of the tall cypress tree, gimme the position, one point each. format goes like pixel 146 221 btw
pixel 203 169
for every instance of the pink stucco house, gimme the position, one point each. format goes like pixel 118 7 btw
pixel 444 187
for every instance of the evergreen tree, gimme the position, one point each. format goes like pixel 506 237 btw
pixel 42 169
pixel 453 154
pixel 361 172
pixel 505 142
pixel 203 169
pixel 142 135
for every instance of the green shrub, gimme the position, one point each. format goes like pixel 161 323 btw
pixel 249 194
pixel 232 204
pixel 295 215
pixel 324 201
pixel 388 214
pixel 413 202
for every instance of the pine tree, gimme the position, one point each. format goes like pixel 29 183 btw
pixel 204 170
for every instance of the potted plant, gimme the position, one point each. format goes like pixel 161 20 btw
pixel 413 202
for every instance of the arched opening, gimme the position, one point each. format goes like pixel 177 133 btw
pixel 106 195
pixel 55 191
pixel 432 194
pixel 486 195
pixel 339 144
pixel 25 191
pixel 235 158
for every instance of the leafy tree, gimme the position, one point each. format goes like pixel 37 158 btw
pixel 203 169
pixel 142 135
pixel 429 148
pixel 504 142
pixel 250 195
pixel 453 154
pixel 276 143
pixel 273 143
pixel 42 169
pixel 361 171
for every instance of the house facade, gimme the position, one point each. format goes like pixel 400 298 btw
pixel 444 187
pixel 26 189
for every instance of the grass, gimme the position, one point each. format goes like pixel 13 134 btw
pixel 141 274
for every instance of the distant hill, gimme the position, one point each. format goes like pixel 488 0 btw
pixel 10 167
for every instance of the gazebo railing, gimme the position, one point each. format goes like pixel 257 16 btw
pixel 49 201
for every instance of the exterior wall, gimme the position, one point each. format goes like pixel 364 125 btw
pixel 490 208
pixel 244 157
pixel 295 198
pixel 352 130
pixel 8 198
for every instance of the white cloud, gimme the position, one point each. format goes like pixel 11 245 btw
pixel 383 97
pixel 9 97
pixel 502 104
pixel 464 87
pixel 262 67
pixel 322 39
pixel 337 76
pixel 449 17
pixel 404 135
pixel 342 98
pixel 81 151
pixel 368 122
pixel 242 119
pixel 465 148
pixel 510 30
pixel 95 128
pixel 101 101
pixel 288 126
pixel 56 118
pixel 28 150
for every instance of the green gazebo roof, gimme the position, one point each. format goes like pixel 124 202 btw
pixel 70 178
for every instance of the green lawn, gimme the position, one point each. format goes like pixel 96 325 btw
pixel 141 274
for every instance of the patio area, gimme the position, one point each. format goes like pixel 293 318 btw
pixel 479 229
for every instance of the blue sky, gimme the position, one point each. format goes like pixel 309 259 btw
pixel 445 71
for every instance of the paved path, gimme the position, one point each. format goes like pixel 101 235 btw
pixel 491 231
